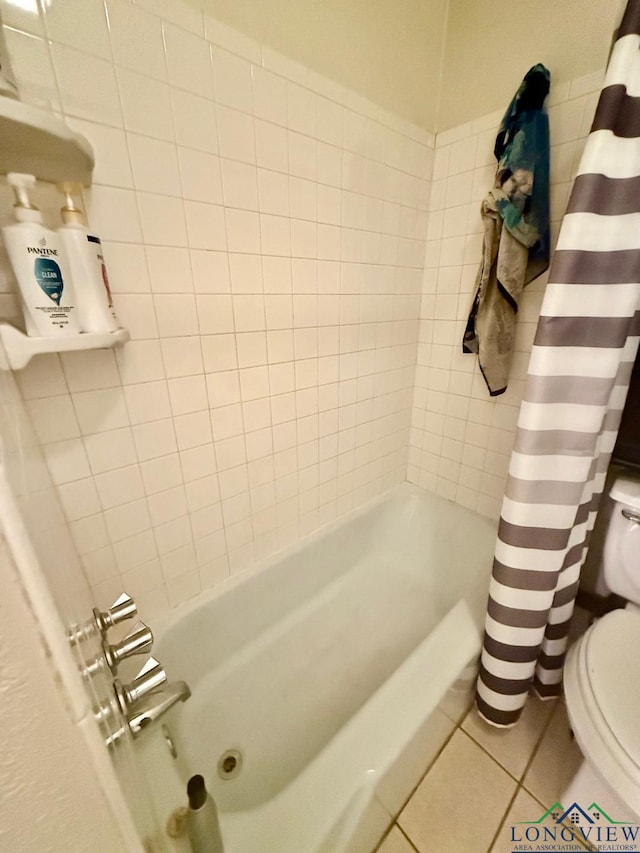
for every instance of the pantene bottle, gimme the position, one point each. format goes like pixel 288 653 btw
pixel 88 271
pixel 37 258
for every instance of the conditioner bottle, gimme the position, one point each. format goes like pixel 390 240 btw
pixel 88 269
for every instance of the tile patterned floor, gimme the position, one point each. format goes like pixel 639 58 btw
pixel 485 779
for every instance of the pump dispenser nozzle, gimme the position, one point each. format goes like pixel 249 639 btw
pixel 71 212
pixel 20 184
pixel 23 209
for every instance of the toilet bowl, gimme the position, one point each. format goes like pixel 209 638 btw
pixel 602 672
pixel 602 690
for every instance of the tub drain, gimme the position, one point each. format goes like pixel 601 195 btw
pixel 230 764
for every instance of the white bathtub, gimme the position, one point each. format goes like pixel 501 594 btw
pixel 334 670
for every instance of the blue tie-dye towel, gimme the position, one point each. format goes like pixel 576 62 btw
pixel 522 152
pixel 515 215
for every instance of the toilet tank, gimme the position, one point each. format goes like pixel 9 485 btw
pixel 621 558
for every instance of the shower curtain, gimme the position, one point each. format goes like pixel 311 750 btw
pixel 581 361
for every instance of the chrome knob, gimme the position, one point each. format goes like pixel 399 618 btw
pixel 107 717
pixel 103 713
pixel 122 608
pixel 92 668
pixel 81 633
pixel 137 642
pixel 150 677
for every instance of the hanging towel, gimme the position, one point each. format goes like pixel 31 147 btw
pixel 515 215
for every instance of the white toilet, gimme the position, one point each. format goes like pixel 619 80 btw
pixel 602 673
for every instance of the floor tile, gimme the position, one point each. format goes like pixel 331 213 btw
pixel 524 807
pixel 555 762
pixel 402 777
pixel 396 842
pixel 512 748
pixel 459 805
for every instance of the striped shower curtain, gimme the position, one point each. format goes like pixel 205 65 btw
pixel 579 371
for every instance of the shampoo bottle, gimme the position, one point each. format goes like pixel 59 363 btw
pixel 88 270
pixel 37 258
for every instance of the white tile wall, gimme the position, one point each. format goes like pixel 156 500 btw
pixel 43 505
pixel 264 230
pixel 461 438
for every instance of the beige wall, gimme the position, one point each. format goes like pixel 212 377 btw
pixel 51 801
pixel 492 43
pixel 390 51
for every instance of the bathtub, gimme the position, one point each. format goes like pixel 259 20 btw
pixel 336 670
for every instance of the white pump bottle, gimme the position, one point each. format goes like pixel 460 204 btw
pixel 38 261
pixel 88 270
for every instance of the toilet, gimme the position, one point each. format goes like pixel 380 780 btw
pixel 602 673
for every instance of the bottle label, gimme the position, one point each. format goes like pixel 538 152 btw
pixel 49 278
pixel 105 281
pixel 105 278
pixel 38 250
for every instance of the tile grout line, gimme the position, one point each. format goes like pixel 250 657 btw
pixel 536 749
pixel 486 751
pixel 390 829
pixel 520 779
pixel 419 782
pixel 459 728
pixel 504 817
pixel 409 841
pixel 520 782
pixel 430 765
pixel 519 787
pixel 492 757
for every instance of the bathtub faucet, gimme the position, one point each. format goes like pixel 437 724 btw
pixel 156 704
